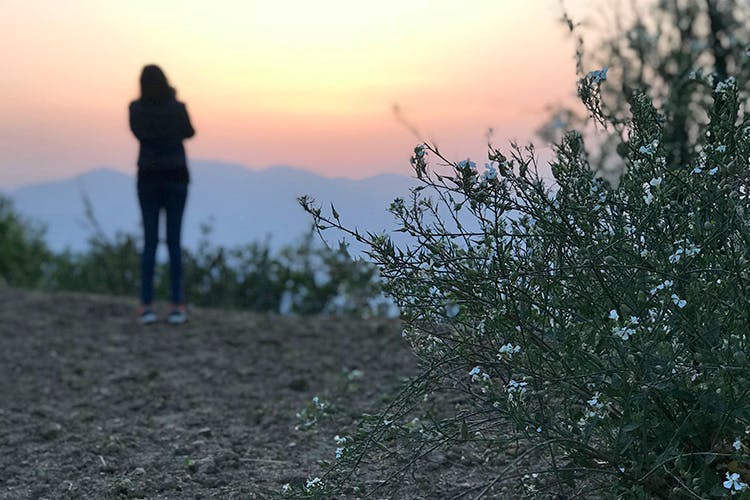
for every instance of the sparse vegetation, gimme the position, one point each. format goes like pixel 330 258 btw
pixel 23 253
pixel 302 279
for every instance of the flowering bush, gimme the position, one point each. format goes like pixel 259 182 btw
pixel 601 332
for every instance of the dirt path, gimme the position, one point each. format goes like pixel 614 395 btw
pixel 93 405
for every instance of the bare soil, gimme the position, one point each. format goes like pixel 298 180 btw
pixel 94 405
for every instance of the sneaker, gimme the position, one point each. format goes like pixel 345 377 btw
pixel 177 316
pixel 148 316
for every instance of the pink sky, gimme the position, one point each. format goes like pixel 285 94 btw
pixel 307 84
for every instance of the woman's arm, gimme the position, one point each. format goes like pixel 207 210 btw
pixel 186 127
pixel 136 122
pixel 160 122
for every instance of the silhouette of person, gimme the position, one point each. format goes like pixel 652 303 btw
pixel 160 123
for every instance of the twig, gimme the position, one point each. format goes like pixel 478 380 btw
pixel 264 460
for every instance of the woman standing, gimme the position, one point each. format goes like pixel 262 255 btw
pixel 160 123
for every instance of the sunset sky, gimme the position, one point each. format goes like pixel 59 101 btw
pixel 301 83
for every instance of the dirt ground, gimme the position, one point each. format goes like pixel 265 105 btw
pixel 94 405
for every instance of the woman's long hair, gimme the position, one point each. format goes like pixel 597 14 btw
pixel 155 88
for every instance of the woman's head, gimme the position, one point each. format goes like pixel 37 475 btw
pixel 154 84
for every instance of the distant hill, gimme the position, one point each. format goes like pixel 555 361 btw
pixel 242 205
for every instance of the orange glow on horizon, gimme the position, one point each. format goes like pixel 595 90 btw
pixel 288 82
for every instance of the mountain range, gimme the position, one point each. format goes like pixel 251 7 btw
pixel 239 204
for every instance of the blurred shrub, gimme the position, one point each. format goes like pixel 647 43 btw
pixel 108 266
pixel 23 253
pixel 306 278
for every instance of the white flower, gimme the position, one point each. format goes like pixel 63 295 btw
pixel 597 408
pixel 339 439
pixel 678 301
pixel 467 163
pixel 613 314
pixel 661 286
pixel 733 482
pixel 508 350
pixel 475 371
pixel 515 390
pixel 656 181
pixel 648 198
pixel 737 444
pixel 490 173
pixel 713 171
pixel 692 249
pixel 286 488
pixel 594 401
pixel 721 149
pixel 599 75
pixel 624 332
pixel 313 483
pixel 452 309
pixel 726 85
pixel 339 453
pixel 650 149
pixel 697 170
pixel 514 386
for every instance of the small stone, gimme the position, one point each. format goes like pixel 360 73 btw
pixel 299 385
pixel 206 431
pixel 207 466
pixel 51 431
pixel 139 471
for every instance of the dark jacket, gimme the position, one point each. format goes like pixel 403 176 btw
pixel 160 128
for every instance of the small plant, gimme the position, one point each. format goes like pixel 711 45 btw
pixel 312 413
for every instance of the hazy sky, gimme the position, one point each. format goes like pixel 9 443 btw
pixel 305 83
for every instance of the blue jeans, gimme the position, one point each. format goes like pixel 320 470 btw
pixel 153 197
